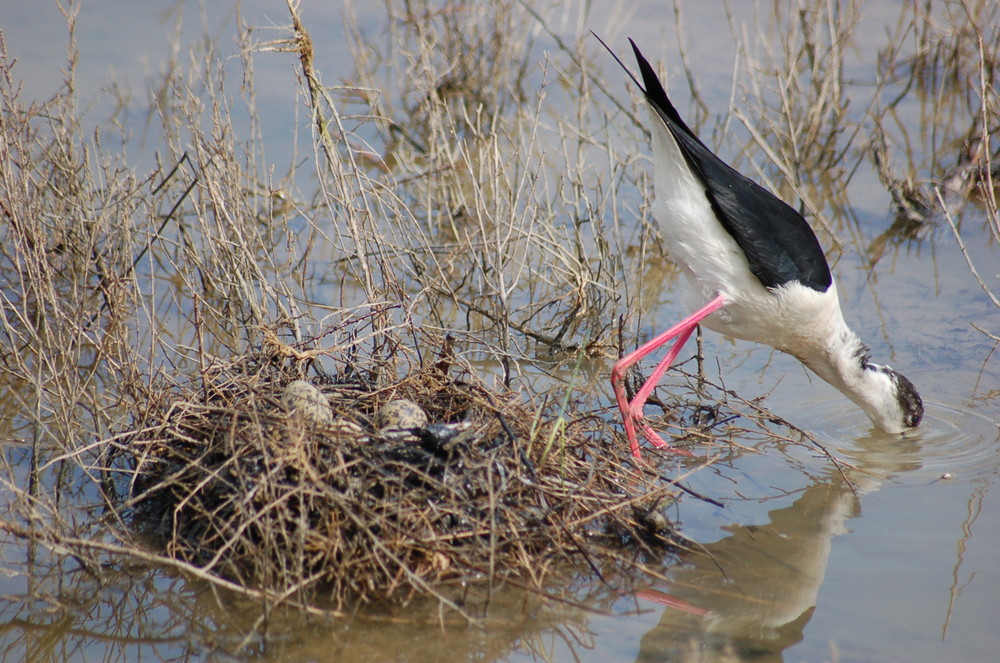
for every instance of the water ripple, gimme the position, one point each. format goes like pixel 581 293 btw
pixel 952 442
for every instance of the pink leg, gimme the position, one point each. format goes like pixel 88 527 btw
pixel 632 412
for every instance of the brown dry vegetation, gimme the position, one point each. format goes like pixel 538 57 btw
pixel 149 320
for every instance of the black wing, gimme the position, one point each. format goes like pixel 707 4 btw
pixel 778 243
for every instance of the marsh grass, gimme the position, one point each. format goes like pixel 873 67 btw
pixel 444 209
pixel 232 484
pixel 181 280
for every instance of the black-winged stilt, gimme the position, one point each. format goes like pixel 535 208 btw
pixel 761 269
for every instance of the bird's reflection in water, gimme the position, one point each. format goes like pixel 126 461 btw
pixel 749 595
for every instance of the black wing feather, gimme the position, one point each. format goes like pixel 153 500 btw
pixel 777 241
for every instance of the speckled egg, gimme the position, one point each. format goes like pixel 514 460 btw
pixel 400 414
pixel 302 399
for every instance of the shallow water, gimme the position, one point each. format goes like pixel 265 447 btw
pixel 890 557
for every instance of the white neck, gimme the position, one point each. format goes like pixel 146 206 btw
pixel 843 361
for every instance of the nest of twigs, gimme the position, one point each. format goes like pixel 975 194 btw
pixel 233 480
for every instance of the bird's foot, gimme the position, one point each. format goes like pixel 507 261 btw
pixel 657 440
pixel 634 418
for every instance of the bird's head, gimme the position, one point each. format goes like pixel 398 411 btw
pixel 892 402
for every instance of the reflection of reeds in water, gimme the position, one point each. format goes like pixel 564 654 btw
pixel 459 187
